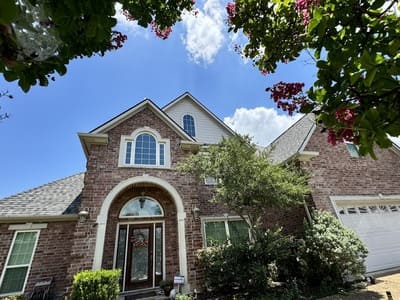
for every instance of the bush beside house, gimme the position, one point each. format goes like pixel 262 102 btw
pixel 322 262
pixel 96 285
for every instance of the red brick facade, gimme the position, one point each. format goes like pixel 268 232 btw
pixel 51 258
pixel 335 172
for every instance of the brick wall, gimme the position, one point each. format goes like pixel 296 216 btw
pixel 335 172
pixel 51 258
pixel 103 175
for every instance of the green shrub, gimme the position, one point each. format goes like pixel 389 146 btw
pixel 96 285
pixel 247 267
pixel 183 297
pixel 14 297
pixel 333 253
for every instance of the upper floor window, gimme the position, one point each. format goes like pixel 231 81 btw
pixel 188 125
pixel 353 149
pixel 144 148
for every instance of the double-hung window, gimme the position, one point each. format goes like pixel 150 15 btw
pixel 218 231
pixel 15 273
pixel 144 149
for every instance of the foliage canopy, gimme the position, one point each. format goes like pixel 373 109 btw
pixel 247 182
pixel 356 47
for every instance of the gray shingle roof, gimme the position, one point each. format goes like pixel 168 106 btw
pixel 292 140
pixel 60 197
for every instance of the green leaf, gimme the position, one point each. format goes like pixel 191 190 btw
pixel 8 11
pixel 370 77
pixel 10 76
pixel 24 85
pixel 366 60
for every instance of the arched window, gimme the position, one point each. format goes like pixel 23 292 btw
pixel 144 148
pixel 142 207
pixel 188 125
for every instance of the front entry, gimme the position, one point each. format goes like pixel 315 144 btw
pixel 142 264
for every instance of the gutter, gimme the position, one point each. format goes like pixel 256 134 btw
pixel 24 219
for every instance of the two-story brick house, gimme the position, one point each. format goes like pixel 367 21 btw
pixel 133 210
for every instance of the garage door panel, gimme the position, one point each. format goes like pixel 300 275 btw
pixel 379 229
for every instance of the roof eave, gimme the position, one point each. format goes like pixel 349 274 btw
pixel 88 139
pixel 49 218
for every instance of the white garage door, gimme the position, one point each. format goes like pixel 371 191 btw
pixel 378 226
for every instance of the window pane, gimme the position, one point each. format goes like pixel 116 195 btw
pixel 188 125
pixel 162 154
pixel 158 247
pixel 145 150
pixel 352 150
pixel 14 280
pixel 128 153
pixel 142 207
pixel 238 231
pixel 120 261
pixel 23 248
pixel 215 233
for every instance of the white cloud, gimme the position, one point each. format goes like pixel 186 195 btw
pixel 204 35
pixel 125 25
pixel 261 123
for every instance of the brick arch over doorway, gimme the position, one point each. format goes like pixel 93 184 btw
pixel 119 190
pixel 169 219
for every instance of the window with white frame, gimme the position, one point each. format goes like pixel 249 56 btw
pixel 188 125
pixel 15 273
pixel 144 148
pixel 218 231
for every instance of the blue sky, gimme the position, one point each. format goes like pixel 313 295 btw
pixel 40 142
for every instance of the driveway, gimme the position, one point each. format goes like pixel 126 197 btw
pixel 374 291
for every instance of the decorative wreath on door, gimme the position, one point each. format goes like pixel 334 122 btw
pixel 139 241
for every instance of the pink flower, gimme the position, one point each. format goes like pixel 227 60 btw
pixel 231 10
pixel 162 33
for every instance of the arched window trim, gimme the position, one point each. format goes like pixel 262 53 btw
pixel 194 124
pixel 131 139
pixel 137 217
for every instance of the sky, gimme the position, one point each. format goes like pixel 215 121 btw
pixel 40 142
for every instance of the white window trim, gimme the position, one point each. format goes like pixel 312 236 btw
pixel 29 265
pixel 132 138
pixel 224 219
pixel 141 217
pixel 210 180
pixel 194 123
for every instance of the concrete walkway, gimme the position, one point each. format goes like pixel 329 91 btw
pixel 376 291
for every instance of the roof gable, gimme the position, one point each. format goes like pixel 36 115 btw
pixel 147 103
pixel 208 125
pixel 293 140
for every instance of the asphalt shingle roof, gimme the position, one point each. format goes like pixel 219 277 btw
pixel 292 140
pixel 60 197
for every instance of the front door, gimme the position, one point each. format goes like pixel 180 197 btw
pixel 144 257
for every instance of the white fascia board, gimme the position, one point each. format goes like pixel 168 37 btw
pixel 88 139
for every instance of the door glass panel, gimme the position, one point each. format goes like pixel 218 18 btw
pixel 140 254
pixel 158 254
pixel 120 261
